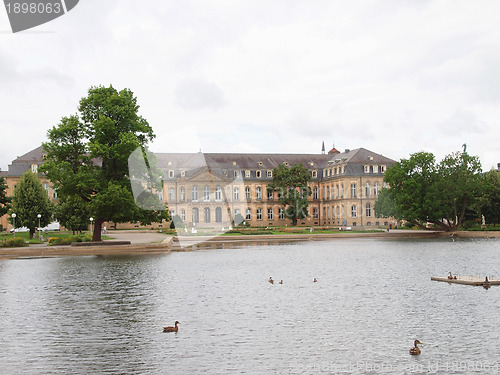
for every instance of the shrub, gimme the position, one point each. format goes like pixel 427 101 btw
pixel 13 242
pixel 53 241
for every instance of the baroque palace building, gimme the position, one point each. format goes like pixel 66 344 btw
pixel 211 189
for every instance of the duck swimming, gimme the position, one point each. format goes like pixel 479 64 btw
pixel 415 350
pixel 172 329
pixel 271 280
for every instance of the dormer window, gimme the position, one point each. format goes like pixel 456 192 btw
pixel 314 174
pixel 261 164
pixel 183 173
pixel 269 174
pixel 286 163
pixel 170 174
pixel 367 169
pixel 34 168
pixel 383 168
pixel 258 174
pixel 375 169
pixel 247 173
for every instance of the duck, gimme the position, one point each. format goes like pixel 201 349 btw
pixel 281 282
pixel 271 280
pixel 315 280
pixel 172 329
pixel 415 350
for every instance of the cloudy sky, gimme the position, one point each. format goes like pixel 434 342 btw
pixel 395 77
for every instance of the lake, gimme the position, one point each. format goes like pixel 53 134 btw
pixel 373 298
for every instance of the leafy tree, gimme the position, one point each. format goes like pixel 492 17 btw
pixel 422 191
pixel 30 200
pixel 87 156
pixel 4 199
pixel 73 213
pixel 489 203
pixel 293 189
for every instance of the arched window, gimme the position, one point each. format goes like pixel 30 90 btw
pixel 218 214
pixel 196 215
pixel 206 214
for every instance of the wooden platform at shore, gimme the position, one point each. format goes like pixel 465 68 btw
pixel 466 280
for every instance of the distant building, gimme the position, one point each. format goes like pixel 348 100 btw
pixel 211 189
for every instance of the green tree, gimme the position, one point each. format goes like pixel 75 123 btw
pixel 489 203
pixel 4 199
pixel 30 200
pixel 293 189
pixel 422 191
pixel 73 213
pixel 87 156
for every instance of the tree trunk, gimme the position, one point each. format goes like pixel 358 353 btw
pixel 96 236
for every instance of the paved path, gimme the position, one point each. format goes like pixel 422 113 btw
pixel 136 237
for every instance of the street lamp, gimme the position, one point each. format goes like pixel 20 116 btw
pixel 91 220
pixel 14 223
pixel 39 229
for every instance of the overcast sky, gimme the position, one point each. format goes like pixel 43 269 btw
pixel 395 77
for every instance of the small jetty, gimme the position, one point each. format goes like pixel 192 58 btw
pixel 467 280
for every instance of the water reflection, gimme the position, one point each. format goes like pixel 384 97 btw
pixel 372 299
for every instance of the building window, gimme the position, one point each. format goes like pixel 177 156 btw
pixel 218 215
pixel 315 213
pixel 353 190
pixel 171 194
pixel 259 213
pixel 342 190
pixel 248 195
pixel 314 174
pixel 206 214
pixel 258 191
pixel 337 190
pixel 247 173
pixel 338 211
pixel 315 192
pixel 375 189
pixel 367 169
pixel 183 173
pixel 354 211
pixel 34 168
pixel 196 215
pixel 236 173
pixel 218 194
pixel 368 190
pixel 343 169
pixel 183 214
pixel 375 169
pixel 258 174
pixel 368 209
pixel 206 193
pixel 248 214
pixel 281 213
pixel 328 192
pixel 270 194
pixel 383 168
pixel 183 194
pixel 194 193
pixel 46 187
pixel 171 174
pixel 54 194
pixel 270 214
pixel 269 174
pixel 236 193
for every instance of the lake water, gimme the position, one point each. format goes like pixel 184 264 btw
pixel 98 315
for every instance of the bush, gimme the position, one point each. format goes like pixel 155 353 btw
pixel 53 241
pixel 13 242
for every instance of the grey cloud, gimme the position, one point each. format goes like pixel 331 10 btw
pixel 193 95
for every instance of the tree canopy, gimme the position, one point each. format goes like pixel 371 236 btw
pixel 489 204
pixel 87 157
pixel 423 191
pixel 4 199
pixel 30 200
pixel 291 183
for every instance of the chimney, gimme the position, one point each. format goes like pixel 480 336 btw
pixel 347 150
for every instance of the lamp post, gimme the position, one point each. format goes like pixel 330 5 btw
pixel 91 229
pixel 14 223
pixel 39 229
